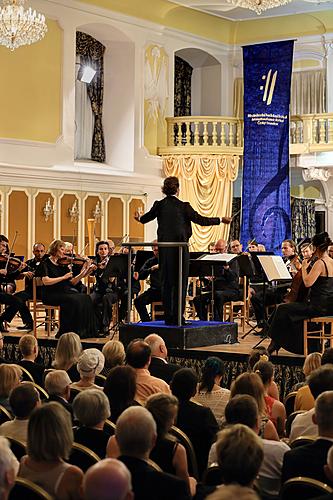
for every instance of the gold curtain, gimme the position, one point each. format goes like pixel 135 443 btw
pixel 206 182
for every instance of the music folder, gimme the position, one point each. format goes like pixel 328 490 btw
pixel 218 257
pixel 274 267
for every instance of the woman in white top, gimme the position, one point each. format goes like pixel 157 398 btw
pixel 90 364
pixel 209 392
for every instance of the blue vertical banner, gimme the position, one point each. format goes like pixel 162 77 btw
pixel 266 189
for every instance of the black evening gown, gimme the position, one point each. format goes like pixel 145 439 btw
pixel 76 309
pixel 286 327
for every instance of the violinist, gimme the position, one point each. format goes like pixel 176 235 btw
pixel 236 247
pixel 76 309
pixel 9 283
pixel 290 257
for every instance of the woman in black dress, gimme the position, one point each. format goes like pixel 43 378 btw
pixel 286 328
pixel 76 309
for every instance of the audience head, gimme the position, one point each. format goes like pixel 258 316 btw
pixel 170 186
pixel 23 399
pixel 323 414
pixel 265 370
pixel 232 491
pixel 91 407
pixel 90 363
pixel 157 345
pixel 184 384
pixel 251 384
pixel 321 380
pixel 257 354
pixel 10 376
pixel 321 242
pixel 212 373
pixel 68 351
pixel 327 357
pixel 50 433
pixel 136 432
pixel 311 363
pixel 220 246
pixel 28 346
pixel 109 479
pixel 114 353
pixel 120 386
pixel 242 409
pixel 9 467
pixel 57 383
pixel 164 408
pixel 239 453
pixel 138 354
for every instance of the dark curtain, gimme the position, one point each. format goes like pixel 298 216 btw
pixel 182 98
pixel 303 222
pixel 91 54
pixel 235 224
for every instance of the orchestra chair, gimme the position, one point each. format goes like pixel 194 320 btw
pixel 82 457
pixel 23 488
pixel 301 441
pixel 17 447
pixel 303 488
pixel 189 307
pixel 42 392
pixel 318 334
pixel 156 310
pixel 289 402
pixel 290 420
pixel 228 307
pixel 186 442
pixel 49 312
pixel 5 415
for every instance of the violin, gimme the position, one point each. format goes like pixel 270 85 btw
pixel 69 260
pixel 13 263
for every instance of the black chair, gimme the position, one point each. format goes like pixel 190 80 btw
pixel 303 488
pixel 100 380
pixel 23 488
pixel 5 415
pixel 289 402
pixel 301 441
pixel 290 420
pixel 17 447
pixel 212 476
pixel 73 393
pixel 82 457
pixel 186 442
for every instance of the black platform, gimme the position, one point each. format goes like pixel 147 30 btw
pixel 193 334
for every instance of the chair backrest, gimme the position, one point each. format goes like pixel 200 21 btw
pixel 74 392
pixel 290 420
pixel 5 415
pixel 301 441
pixel 42 392
pixel 186 442
pixel 154 465
pixel 82 457
pixel 100 380
pixel 27 377
pixel 109 427
pixel 289 402
pixel 23 488
pixel 303 488
pixel 17 447
pixel 212 476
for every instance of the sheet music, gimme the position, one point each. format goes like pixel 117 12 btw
pixel 218 257
pixel 274 267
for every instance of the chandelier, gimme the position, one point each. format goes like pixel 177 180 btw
pixel 258 6
pixel 18 26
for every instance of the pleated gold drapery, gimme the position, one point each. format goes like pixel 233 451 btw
pixel 206 182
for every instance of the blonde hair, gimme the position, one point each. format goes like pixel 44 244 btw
pixel 232 491
pixel 69 349
pixel 312 362
pixel 164 408
pixel 27 344
pixel 114 353
pixel 50 433
pixel 54 247
pixel 9 378
pixel 251 384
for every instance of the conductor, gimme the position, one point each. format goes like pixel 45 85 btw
pixel 174 219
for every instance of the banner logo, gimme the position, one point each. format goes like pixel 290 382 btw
pixel 269 86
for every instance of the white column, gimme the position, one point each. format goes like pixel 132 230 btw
pixel 329 77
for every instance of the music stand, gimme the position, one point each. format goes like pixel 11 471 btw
pixel 141 257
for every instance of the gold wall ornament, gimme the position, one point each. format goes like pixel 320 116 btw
pixel 19 26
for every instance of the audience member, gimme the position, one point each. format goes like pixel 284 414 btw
pixel 232 491
pixel 57 385
pixel 159 366
pixel 50 439
pixel 309 460
pixel 114 354
pixel 138 355
pixel 120 389
pixel 209 391
pixel 109 479
pixel 304 399
pixel 10 376
pixel 29 349
pixel 136 436
pixel 261 354
pixel 319 381
pixel 251 384
pixel 91 409
pixel 90 364
pixel 69 349
pixel 275 410
pixel 9 467
pixel 197 421
pixel 2 360
pixel 328 469
pixel 23 399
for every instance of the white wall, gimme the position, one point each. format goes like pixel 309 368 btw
pixel 206 90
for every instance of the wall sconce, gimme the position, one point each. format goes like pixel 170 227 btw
pixel 74 212
pixel 48 210
pixel 97 212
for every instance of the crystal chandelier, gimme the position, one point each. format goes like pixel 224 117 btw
pixel 258 5
pixel 18 26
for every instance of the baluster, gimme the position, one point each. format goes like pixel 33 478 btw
pixel 322 130
pixel 205 134
pixel 315 133
pixel 214 134
pixel 231 134
pixel 171 134
pixel 330 130
pixel 188 134
pixel 180 134
pixel 298 132
pixel 222 133
pixel 238 134
pixel 196 133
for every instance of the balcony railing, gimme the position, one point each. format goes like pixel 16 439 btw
pixel 224 134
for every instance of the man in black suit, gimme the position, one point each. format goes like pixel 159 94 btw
pixel 153 294
pixel 174 219
pixel 29 349
pixel 309 460
pixel 159 367
pixel 136 436
pixel 57 385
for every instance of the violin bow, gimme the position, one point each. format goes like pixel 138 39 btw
pixel 10 250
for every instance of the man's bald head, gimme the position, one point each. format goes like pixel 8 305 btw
pixel 108 479
pixel 221 246
pixel 157 345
